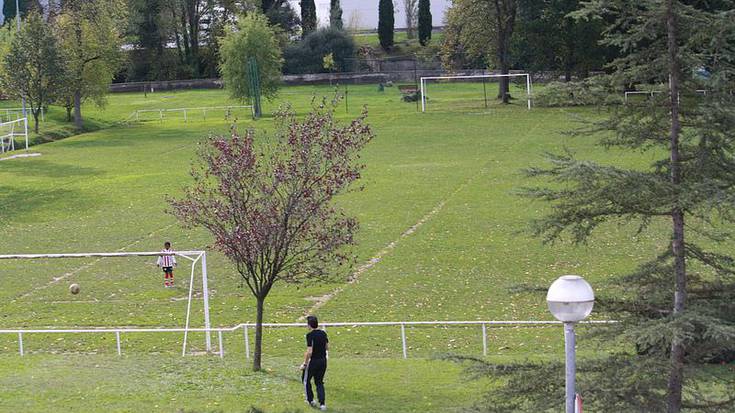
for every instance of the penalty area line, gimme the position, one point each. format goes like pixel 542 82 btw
pixel 322 300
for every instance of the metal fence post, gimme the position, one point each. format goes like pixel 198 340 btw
pixel 117 338
pixel 247 341
pixel 221 348
pixel 484 340
pixel 20 343
pixel 403 340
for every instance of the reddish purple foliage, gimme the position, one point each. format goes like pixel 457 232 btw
pixel 270 205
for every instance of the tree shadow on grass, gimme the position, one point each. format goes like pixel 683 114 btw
pixel 42 167
pixel 28 205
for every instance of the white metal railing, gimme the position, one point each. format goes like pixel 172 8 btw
pixel 246 326
pixel 187 111
pixel 651 93
pixel 9 132
pixel 10 114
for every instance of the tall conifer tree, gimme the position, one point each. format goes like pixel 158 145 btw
pixel 308 17
pixel 386 23
pixel 425 22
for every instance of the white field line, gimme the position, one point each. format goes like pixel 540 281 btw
pixel 75 271
pixel 21 155
pixel 320 301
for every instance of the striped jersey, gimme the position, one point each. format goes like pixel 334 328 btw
pixel 166 260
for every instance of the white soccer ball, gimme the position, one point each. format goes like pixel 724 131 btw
pixel 74 288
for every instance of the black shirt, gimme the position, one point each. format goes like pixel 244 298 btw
pixel 317 340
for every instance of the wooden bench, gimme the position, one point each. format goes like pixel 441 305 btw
pixel 408 89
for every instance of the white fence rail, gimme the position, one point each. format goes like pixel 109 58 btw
pixel 9 131
pixel 188 112
pixel 246 326
pixel 11 114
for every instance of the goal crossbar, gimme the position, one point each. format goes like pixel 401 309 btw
pixel 425 78
pixel 194 256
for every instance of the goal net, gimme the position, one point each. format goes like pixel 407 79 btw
pixel 10 132
pixel 122 290
pixel 472 91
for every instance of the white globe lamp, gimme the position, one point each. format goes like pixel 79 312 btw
pixel 570 299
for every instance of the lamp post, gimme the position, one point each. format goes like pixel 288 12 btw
pixel 570 299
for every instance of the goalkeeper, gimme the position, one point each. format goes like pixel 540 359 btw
pixel 167 263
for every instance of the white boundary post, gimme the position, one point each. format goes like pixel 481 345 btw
pixel 20 344
pixel 221 347
pixel 25 130
pixel 247 341
pixel 403 340
pixel 484 340
pixel 205 293
pixel 423 95
pixel 528 90
pixel 117 338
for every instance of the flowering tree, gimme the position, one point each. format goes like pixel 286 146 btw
pixel 270 206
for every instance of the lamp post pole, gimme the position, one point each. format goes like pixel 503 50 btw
pixel 571 363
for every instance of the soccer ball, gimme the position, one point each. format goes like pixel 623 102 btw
pixel 74 288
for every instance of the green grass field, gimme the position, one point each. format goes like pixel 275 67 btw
pixel 449 174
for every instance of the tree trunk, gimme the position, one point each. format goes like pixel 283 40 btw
pixel 676 373
pixel 35 113
pixel 78 123
pixel 505 13
pixel 257 356
pixel 68 113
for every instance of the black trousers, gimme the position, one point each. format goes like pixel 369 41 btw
pixel 315 370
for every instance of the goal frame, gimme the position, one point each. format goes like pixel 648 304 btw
pixel 194 257
pixel 10 136
pixel 510 75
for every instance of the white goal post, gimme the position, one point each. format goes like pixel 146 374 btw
pixel 8 132
pixel 195 257
pixel 424 84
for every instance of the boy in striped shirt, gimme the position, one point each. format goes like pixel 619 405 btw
pixel 167 263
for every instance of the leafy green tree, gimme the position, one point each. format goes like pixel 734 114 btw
pixel 32 67
pixel 677 310
pixel 386 23
pixel 90 38
pixel 280 13
pixel 425 22
pixel 148 26
pixel 481 30
pixel 335 15
pixel 549 39
pixel 251 37
pixel 468 38
pixel 307 55
pixel 308 17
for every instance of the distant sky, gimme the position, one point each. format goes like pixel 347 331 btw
pixel 364 13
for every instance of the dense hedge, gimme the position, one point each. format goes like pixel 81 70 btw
pixel 307 56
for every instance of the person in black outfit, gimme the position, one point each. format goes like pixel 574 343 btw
pixel 315 362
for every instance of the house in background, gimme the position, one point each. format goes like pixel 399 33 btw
pixel 363 14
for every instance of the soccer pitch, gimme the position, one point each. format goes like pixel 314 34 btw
pixel 437 215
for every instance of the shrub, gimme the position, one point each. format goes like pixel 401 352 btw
pixel 589 92
pixel 307 56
